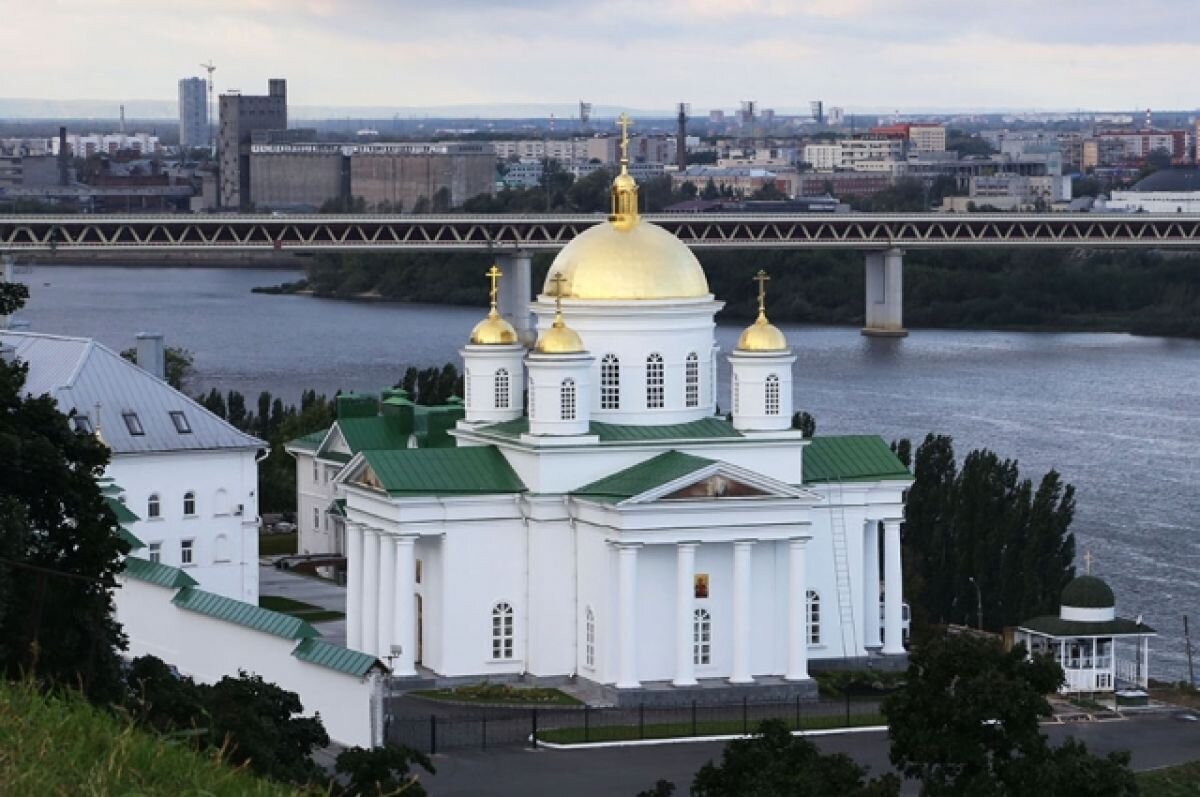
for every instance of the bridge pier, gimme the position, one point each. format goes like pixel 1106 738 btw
pixel 516 291
pixel 7 268
pixel 885 294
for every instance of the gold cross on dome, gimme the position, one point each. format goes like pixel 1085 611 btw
pixel 558 279
pixel 623 121
pixel 494 274
pixel 761 278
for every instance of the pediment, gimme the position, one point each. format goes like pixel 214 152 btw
pixel 334 443
pixel 720 481
pixel 715 486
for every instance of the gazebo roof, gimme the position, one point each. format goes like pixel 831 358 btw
pixel 1088 592
pixel 1055 626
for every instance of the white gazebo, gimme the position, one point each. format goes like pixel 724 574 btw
pixel 1098 651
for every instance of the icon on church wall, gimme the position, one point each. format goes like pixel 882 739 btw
pixel 701 585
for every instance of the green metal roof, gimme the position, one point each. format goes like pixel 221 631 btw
pixel 233 611
pixel 128 536
pixel 703 429
pixel 337 507
pixel 851 458
pixel 335 657
pixel 310 442
pixel 124 514
pixel 1053 625
pixel 157 573
pixel 656 471
pixel 1088 592
pixel 374 434
pixel 476 470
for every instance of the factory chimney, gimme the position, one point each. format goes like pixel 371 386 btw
pixel 64 158
pixel 122 121
pixel 681 137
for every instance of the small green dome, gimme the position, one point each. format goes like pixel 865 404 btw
pixel 1088 592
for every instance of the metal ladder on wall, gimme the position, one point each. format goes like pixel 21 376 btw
pixel 841 566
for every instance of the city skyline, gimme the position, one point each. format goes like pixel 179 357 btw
pixel 861 54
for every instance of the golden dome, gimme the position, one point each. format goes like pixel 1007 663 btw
pixel 643 261
pixel 762 335
pixel 493 331
pixel 559 339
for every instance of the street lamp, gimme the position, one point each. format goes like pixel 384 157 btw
pixel 978 603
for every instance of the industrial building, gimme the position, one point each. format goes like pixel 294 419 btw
pixel 240 116
pixel 193 113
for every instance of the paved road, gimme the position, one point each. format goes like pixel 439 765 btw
pixel 1155 742
pixel 287 584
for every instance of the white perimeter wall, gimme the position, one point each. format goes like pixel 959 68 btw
pixel 208 650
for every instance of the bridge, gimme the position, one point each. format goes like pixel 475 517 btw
pixel 881 236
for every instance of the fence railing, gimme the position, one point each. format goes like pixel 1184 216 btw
pixel 495 727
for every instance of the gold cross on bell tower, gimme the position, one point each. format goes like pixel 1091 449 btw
pixel 494 274
pixel 761 278
pixel 623 122
pixel 557 280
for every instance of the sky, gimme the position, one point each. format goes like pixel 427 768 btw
pixel 870 55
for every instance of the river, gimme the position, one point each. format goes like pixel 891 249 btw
pixel 1117 415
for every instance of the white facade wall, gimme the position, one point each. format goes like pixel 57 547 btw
pixel 481 364
pixel 558 406
pixel 318 532
pixel 752 373
pixel 224 527
pixel 823 157
pixel 208 649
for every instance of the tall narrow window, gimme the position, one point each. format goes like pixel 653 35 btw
pixel 316 518
pixel 589 642
pixel 701 637
pixel 814 618
pixel 529 398
pixel 567 399
pixel 691 381
pixel 186 548
pixel 737 396
pixel 189 503
pixel 610 382
pixel 467 387
pixel 153 506
pixel 502 631
pixel 654 382
pixel 771 398
pixel 156 552
pixel 316 472
pixel 502 389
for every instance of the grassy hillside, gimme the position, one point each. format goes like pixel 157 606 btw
pixel 64 746
pixel 1180 781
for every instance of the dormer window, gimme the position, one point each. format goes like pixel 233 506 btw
pixel 81 424
pixel 133 423
pixel 181 422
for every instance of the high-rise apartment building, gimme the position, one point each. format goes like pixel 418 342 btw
pixel 193 113
pixel 240 116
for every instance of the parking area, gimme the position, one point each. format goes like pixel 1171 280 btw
pixel 307 589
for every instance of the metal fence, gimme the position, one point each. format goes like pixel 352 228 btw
pixel 491 727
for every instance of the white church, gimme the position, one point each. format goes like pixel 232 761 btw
pixel 596 518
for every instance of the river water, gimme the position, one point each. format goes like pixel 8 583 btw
pixel 1117 415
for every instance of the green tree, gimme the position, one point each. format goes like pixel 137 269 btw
pixel 161 699
pixel 710 190
pixel 773 763
pixel 383 770
pixel 259 724
pixel 966 723
pixel 805 422
pixel 59 552
pixel 177 364
pixel 590 194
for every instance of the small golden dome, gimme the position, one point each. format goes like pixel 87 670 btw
pixel 493 331
pixel 559 339
pixel 762 335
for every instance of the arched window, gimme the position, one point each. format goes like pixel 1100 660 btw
pixel 814 618
pixel 221 502
pixel 567 399
pixel 221 548
pixel 502 389
pixel 502 631
pixel 691 381
pixel 701 637
pixel 654 382
pixel 610 382
pixel 153 507
pixel 737 396
pixel 589 641
pixel 771 399
pixel 189 503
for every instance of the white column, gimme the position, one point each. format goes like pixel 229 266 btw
pixel 893 270
pixel 893 591
pixel 874 284
pixel 741 612
pixel 797 665
pixel 387 595
pixel 354 570
pixel 405 609
pixel 627 596
pixel 370 597
pixel 885 294
pixel 871 585
pixel 685 593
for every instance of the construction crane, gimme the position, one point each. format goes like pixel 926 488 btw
pixel 210 67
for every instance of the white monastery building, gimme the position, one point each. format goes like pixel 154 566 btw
pixel 190 476
pixel 593 516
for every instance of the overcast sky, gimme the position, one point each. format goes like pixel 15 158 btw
pixel 860 54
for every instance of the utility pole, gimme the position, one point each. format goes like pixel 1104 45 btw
pixel 978 603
